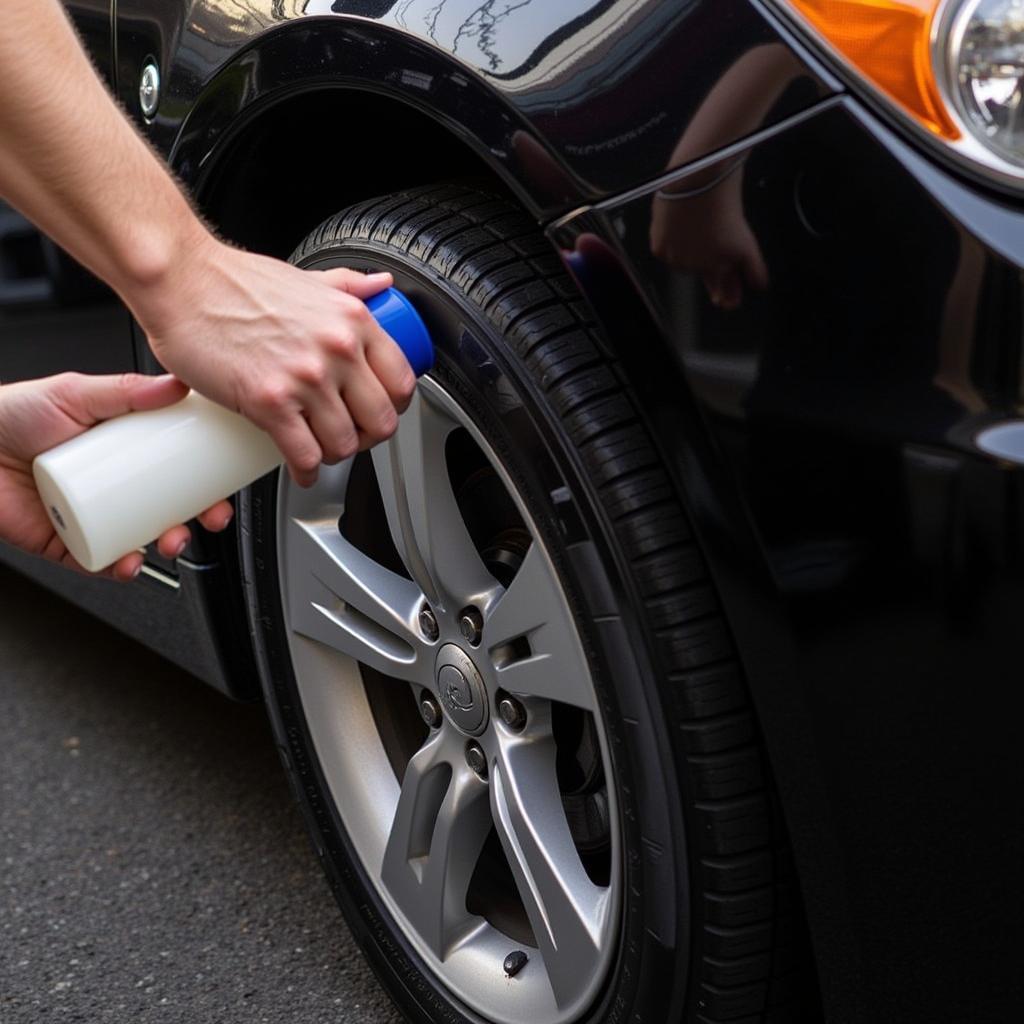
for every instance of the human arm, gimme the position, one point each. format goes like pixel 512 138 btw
pixel 296 351
pixel 699 226
pixel 35 416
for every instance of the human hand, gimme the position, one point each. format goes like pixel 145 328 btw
pixel 296 351
pixel 35 416
pixel 707 234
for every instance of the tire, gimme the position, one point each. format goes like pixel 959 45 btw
pixel 670 798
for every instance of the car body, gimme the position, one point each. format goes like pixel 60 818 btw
pixel 864 547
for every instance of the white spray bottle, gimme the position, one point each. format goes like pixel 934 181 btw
pixel 119 485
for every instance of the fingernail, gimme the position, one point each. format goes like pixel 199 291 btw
pixel 228 516
pixel 181 547
pixel 136 570
pixel 379 274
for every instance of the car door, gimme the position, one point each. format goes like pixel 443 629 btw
pixel 54 314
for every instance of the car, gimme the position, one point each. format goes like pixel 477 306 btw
pixel 663 665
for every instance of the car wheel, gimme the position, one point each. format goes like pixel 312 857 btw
pixel 498 674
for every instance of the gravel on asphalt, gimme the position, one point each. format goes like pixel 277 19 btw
pixel 155 867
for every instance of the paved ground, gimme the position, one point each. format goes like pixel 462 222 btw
pixel 154 867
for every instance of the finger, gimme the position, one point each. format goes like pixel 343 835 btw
pixel 372 409
pixel 333 427
pixel 362 286
pixel 125 568
pixel 173 542
pixel 56 551
pixel 294 438
pixel 89 399
pixel 217 517
pixel 391 368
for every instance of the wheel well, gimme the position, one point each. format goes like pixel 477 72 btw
pixel 309 156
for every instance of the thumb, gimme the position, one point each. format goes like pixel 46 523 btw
pixel 362 286
pixel 91 399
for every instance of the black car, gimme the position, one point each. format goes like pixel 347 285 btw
pixel 663 666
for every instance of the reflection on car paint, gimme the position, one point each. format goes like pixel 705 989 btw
pixel 848 342
pixel 609 85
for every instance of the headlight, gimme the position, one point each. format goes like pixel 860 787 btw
pixel 983 45
pixel 954 68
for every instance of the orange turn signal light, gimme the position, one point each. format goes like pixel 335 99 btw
pixel 889 43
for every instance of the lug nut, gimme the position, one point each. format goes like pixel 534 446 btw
pixel 514 962
pixel 471 625
pixel 477 759
pixel 512 713
pixel 428 624
pixel 430 711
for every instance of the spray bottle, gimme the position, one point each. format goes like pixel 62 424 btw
pixel 119 485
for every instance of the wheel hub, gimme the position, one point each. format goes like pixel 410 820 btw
pixel 461 690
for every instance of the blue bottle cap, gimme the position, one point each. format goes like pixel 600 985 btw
pixel 397 316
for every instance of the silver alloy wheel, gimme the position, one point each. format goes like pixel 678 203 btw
pixel 419 840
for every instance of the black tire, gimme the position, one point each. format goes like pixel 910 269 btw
pixel 711 929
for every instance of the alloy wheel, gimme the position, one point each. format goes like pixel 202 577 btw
pixel 454 714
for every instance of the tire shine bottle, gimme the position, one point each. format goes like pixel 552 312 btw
pixel 119 485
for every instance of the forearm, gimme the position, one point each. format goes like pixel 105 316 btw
pixel 73 164
pixel 735 107
pixel 296 351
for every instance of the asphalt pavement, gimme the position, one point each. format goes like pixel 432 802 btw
pixel 155 867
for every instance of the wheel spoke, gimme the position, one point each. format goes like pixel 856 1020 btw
pixel 438 832
pixel 551 664
pixel 566 909
pixel 423 515
pixel 343 598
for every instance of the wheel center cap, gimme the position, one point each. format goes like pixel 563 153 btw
pixel 461 690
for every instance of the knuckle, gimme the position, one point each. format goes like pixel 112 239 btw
pixel 344 345
pixel 382 424
pixel 271 395
pixel 357 316
pixel 67 383
pixel 334 450
pixel 347 445
pixel 353 308
pixel 311 371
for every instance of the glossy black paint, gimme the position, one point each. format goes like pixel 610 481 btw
pixel 869 556
pixel 567 102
